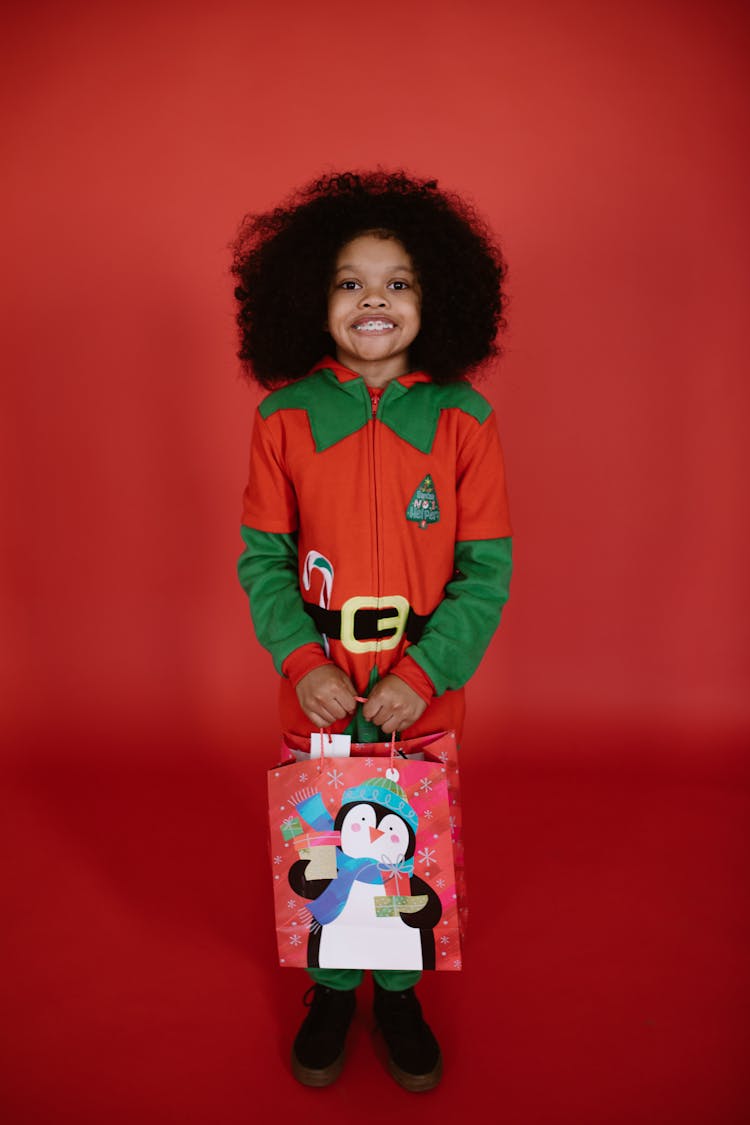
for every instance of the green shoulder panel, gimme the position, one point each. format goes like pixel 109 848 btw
pixel 414 412
pixel 334 409
pixel 462 396
pixel 294 396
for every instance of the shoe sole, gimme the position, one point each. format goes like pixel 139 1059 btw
pixel 319 1078
pixel 416 1083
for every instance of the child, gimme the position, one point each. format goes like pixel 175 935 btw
pixel 377 538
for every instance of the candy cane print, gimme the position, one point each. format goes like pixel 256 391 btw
pixel 316 561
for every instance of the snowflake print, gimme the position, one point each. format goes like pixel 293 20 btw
pixel 440 883
pixel 457 964
pixel 291 904
pixel 295 939
pixel 303 777
pixel 368 763
pixel 425 786
pixel 427 814
pixel 445 940
pixel 443 755
pixel 277 860
pixel 335 778
pixel 427 855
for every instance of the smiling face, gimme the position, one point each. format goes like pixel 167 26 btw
pixel 374 304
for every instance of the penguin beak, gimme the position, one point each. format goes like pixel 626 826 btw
pixel 375 834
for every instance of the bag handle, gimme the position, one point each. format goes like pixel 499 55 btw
pixel 363 699
pixel 324 732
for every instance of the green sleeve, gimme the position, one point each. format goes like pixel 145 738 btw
pixel 269 575
pixel 461 627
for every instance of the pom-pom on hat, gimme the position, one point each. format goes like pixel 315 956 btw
pixel 389 794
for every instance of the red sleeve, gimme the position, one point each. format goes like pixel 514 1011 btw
pixel 480 484
pixel 410 672
pixel 304 660
pixel 270 502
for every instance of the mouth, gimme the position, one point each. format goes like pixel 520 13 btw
pixel 373 325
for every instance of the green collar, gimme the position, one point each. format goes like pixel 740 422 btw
pixel 338 408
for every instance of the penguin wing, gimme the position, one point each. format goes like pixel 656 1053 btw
pixel 429 916
pixel 301 885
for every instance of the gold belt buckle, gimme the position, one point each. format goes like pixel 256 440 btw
pixel 349 611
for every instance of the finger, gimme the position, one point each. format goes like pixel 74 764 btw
pixel 322 712
pixel 332 708
pixel 347 700
pixel 387 717
pixel 316 719
pixel 372 709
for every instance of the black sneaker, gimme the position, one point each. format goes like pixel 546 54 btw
pixel 413 1052
pixel 318 1051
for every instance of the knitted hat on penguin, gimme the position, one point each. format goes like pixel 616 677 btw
pixel 386 793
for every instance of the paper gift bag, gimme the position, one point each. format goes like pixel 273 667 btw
pixel 364 852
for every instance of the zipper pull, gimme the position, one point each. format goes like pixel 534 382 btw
pixel 375 394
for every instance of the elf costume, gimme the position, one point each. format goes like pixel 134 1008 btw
pixel 377 537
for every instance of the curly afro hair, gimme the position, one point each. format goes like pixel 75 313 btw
pixel 284 261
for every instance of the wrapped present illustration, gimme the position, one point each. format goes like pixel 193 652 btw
pixel 291 827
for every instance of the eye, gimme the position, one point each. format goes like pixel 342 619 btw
pixel 350 284
pixel 398 285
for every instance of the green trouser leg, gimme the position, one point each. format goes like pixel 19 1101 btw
pixel 396 980
pixel 342 980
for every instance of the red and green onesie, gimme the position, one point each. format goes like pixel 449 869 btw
pixel 376 539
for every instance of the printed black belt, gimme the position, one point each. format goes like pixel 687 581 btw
pixel 365 624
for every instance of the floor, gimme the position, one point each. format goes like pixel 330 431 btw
pixel 606 980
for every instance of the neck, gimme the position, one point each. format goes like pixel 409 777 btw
pixel 377 373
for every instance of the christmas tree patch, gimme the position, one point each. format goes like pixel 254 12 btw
pixel 423 506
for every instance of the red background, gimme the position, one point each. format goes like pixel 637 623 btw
pixel 605 755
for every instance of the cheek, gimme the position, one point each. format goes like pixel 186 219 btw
pixel 355 827
pixel 394 838
pixel 336 308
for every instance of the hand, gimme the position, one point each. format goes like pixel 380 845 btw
pixel 393 705
pixel 326 694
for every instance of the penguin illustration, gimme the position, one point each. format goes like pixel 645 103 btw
pixel 358 920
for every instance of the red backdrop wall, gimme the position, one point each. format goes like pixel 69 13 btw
pixel 606 148
pixel 606 144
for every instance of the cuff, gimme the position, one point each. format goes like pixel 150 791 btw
pixel 303 660
pixel 409 671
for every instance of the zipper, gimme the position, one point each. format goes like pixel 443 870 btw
pixel 375 495
pixel 376 401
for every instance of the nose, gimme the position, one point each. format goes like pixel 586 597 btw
pixel 372 299
pixel 375 834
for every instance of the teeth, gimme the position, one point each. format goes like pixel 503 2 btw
pixel 373 325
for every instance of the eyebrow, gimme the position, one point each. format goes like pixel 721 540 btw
pixel 391 269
